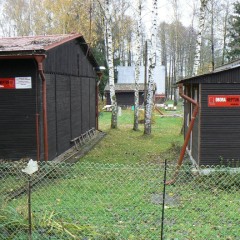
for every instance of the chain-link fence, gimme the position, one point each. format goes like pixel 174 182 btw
pixel 202 203
pixel 112 201
pixel 82 201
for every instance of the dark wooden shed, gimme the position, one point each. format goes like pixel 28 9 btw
pixel 125 94
pixel 215 137
pixel 48 94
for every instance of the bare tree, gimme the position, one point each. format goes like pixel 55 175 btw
pixel 177 47
pixel 201 22
pixel 163 43
pixel 191 44
pixel 225 19
pixel 16 19
pixel 214 37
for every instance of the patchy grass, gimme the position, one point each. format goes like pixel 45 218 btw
pixel 96 201
pixel 207 207
pixel 123 145
pixel 115 192
pixel 107 195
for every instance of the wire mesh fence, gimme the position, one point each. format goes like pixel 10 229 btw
pixel 112 201
pixel 82 201
pixel 203 203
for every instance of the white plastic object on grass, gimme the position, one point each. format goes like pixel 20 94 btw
pixel 31 168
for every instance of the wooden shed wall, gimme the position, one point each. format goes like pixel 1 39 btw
pixel 69 59
pixel 125 98
pixel 220 126
pixel 71 110
pixel 195 131
pixel 71 96
pixel 193 145
pixel 18 111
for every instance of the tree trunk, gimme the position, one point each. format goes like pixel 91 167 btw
pixel 225 32
pixel 212 37
pixel 170 78
pixel 137 68
pixel 164 54
pixel 201 20
pixel 152 62
pixel 110 66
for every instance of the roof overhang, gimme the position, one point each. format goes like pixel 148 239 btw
pixel 23 56
pixel 30 46
pixel 219 70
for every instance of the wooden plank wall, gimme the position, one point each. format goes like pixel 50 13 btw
pixel 18 112
pixel 71 86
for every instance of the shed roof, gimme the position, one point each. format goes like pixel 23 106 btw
pixel 34 43
pixel 127 87
pixel 227 73
pixel 122 87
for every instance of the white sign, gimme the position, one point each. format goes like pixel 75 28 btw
pixel 23 82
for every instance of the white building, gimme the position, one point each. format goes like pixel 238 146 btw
pixel 125 75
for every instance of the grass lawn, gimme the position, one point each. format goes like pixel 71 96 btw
pixel 115 192
pixel 203 207
pixel 123 145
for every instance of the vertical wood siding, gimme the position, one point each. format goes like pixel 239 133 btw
pixel 85 104
pixel 76 107
pixel 195 131
pixel 71 98
pixel 92 103
pixel 69 59
pixel 63 112
pixel 220 127
pixel 193 146
pixel 17 112
pixel 71 86
pixel 52 116
pixel 187 111
pixel 125 98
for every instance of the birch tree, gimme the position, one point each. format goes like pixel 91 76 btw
pixel 110 63
pixel 191 44
pixel 177 46
pixel 201 22
pixel 163 35
pixel 152 63
pixel 212 37
pixel 137 65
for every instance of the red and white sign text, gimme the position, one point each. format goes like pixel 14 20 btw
pixel 223 100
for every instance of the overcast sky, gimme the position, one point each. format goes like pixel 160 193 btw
pixel 165 10
pixel 166 13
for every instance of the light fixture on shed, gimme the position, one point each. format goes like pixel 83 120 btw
pixel 99 70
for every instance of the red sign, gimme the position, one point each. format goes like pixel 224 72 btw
pixel 223 100
pixel 16 83
pixel 7 83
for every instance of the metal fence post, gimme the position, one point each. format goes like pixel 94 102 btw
pixel 29 209
pixel 163 199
